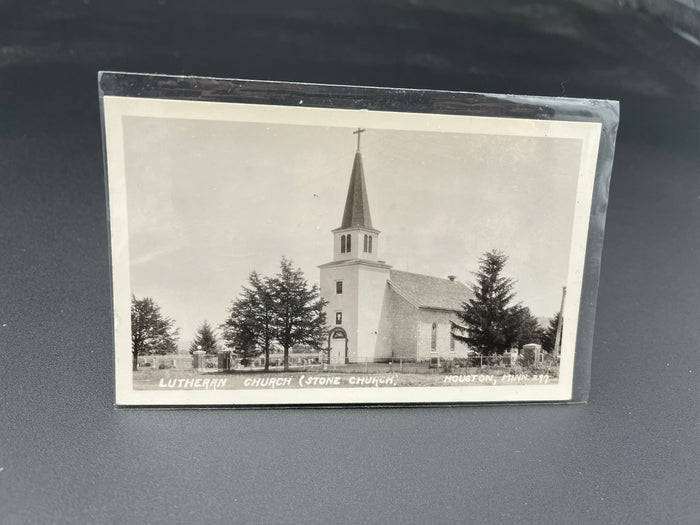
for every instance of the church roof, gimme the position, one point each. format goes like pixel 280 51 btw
pixel 426 291
pixel 356 204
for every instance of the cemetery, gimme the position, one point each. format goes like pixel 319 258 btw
pixel 181 371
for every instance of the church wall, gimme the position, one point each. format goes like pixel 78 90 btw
pixel 384 336
pixel 345 302
pixel 372 284
pixel 426 319
pixel 399 323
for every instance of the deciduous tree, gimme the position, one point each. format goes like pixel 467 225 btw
pixel 529 329
pixel 151 331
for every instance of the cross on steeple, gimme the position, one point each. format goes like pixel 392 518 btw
pixel 359 130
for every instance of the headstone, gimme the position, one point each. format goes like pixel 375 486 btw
pixel 224 359
pixel 512 357
pixel 531 354
pixel 198 359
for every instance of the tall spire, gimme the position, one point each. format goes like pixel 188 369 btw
pixel 356 204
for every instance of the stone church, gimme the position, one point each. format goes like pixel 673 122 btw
pixel 377 313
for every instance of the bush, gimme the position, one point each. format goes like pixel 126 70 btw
pixel 461 362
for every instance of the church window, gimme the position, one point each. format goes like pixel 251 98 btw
pixel 348 244
pixel 370 244
pixel 342 244
pixel 339 318
pixel 433 338
pixel 339 287
pixel 365 246
pixel 452 343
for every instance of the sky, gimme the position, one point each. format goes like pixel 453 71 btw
pixel 210 201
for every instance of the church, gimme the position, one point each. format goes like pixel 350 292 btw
pixel 376 313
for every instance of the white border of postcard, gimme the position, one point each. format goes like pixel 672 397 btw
pixel 115 108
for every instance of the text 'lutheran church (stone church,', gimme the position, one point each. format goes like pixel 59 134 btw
pixel 377 313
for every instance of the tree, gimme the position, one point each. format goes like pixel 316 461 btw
pixel 490 324
pixel 205 340
pixel 151 332
pixel 282 309
pixel 529 329
pixel 249 329
pixel 549 335
pixel 300 317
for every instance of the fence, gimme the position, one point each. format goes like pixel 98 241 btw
pixel 176 361
pixel 318 362
pixel 277 361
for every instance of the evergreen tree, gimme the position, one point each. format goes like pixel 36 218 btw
pixel 549 336
pixel 529 329
pixel 151 331
pixel 489 322
pixel 300 317
pixel 249 329
pixel 205 340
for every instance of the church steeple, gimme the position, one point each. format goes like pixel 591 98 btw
pixel 353 283
pixel 356 203
pixel 356 239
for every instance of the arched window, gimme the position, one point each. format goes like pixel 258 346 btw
pixel 348 244
pixel 370 244
pixel 452 343
pixel 433 338
pixel 342 244
pixel 365 246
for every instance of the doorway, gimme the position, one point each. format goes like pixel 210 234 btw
pixel 338 347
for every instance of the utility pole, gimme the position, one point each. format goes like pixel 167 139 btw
pixel 557 340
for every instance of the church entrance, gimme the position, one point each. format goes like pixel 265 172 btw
pixel 338 347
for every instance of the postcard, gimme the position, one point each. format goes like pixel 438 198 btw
pixel 272 248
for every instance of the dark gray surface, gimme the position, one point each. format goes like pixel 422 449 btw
pixel 629 456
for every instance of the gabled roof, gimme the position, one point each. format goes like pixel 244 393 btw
pixel 356 204
pixel 425 291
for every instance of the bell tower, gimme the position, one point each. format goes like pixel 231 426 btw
pixel 355 238
pixel 353 283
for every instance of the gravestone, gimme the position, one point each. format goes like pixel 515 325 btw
pixel 224 359
pixel 198 359
pixel 531 354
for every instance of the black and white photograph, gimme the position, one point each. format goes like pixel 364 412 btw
pixel 267 254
